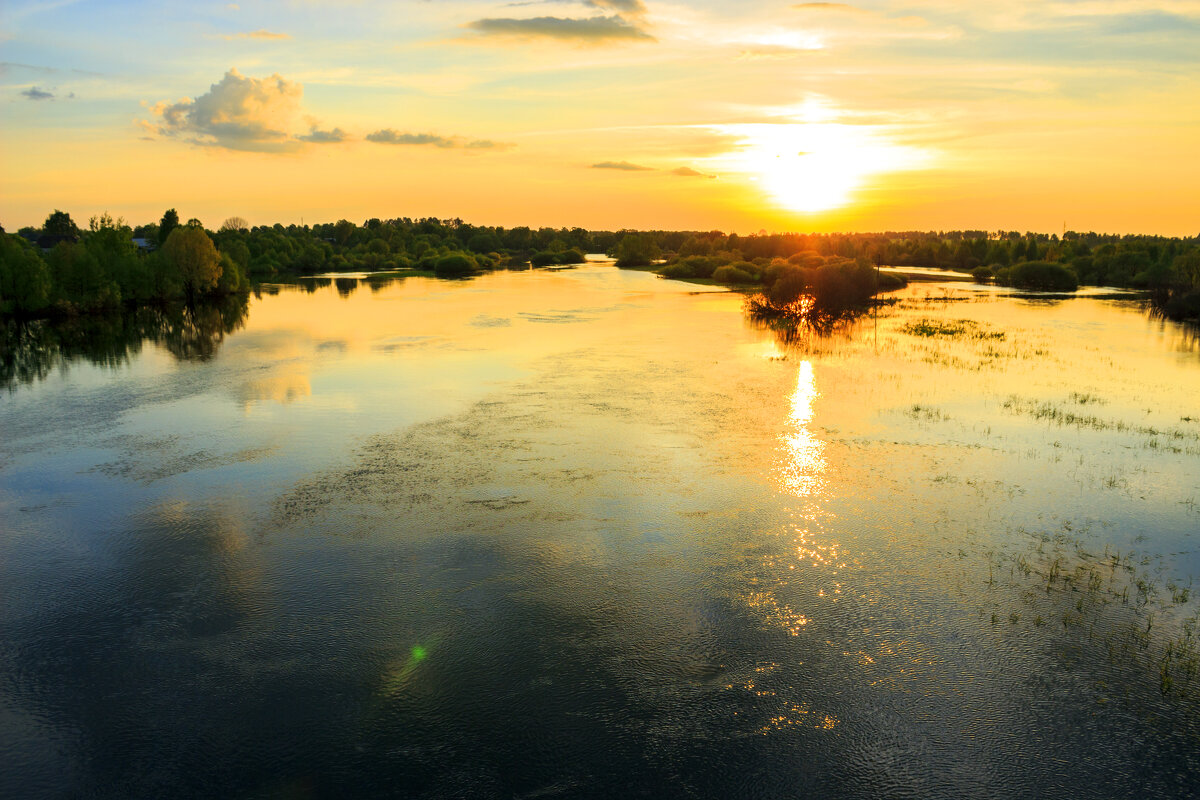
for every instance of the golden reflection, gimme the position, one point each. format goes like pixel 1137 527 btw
pixel 800 473
pixel 280 389
pixel 796 714
pixel 804 461
pixel 777 613
pixel 790 714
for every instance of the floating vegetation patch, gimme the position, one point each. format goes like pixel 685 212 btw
pixel 1084 399
pixel 927 413
pixel 1058 415
pixel 951 329
pixel 1119 604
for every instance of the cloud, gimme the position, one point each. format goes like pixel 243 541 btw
pixel 5 66
pixel 688 172
pixel 237 113
pixel 621 165
pixel 258 34
pixel 840 7
pixel 34 93
pixel 317 136
pixel 626 6
pixel 389 136
pixel 589 29
pixel 772 52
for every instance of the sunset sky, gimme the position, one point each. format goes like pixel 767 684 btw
pixel 926 114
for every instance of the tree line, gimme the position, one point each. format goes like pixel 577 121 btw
pixel 59 268
pixel 63 270
pixel 1168 268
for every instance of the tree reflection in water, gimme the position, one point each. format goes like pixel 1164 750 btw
pixel 31 350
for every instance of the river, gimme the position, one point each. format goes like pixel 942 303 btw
pixel 589 533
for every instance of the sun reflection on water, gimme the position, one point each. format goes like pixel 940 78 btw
pixel 804 462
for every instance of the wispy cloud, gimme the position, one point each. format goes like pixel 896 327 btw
pixel 688 172
pixel 258 34
pixel 621 165
pixel 318 136
pixel 844 8
pixel 583 30
pixel 773 51
pixel 624 6
pixel 5 66
pixel 630 7
pixel 390 136
pixel 34 93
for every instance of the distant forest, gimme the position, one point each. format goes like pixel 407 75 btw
pixel 61 269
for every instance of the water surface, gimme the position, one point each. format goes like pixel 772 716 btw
pixel 591 533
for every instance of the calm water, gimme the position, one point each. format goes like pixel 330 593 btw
pixel 588 533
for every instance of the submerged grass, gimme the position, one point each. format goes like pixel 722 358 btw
pixel 1058 415
pixel 1113 603
pixel 951 329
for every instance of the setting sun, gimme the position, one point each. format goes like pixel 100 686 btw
pixel 816 166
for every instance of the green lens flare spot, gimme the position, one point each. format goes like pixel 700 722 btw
pixel 418 653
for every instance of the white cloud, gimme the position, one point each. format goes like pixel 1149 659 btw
pixel 237 113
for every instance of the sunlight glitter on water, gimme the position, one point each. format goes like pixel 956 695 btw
pixel 803 464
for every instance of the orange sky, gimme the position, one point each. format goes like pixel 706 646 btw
pixel 609 113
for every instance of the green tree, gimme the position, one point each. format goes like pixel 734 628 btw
pixel 194 259
pixel 636 250
pixel 24 277
pixel 232 280
pixel 170 221
pixel 79 282
pixel 343 229
pixel 59 227
pixel 111 243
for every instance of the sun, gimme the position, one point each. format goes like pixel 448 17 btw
pixel 810 167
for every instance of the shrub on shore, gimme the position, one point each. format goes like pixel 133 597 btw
pixel 1040 275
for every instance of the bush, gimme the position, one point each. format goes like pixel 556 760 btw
pixel 731 273
pixel 679 271
pixel 1039 275
pixel 455 265
pixel 982 274
pixel 809 258
pixel 1183 306
pixel 890 282
pixel 750 268
pixel 832 288
pixel 548 258
pixel 697 266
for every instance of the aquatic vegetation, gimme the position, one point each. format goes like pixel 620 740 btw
pixel 958 328
pixel 1111 603
pixel 1057 415
pixel 926 413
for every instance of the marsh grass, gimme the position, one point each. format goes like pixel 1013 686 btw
pixel 952 329
pixel 926 413
pixel 1116 604
pixel 1058 415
